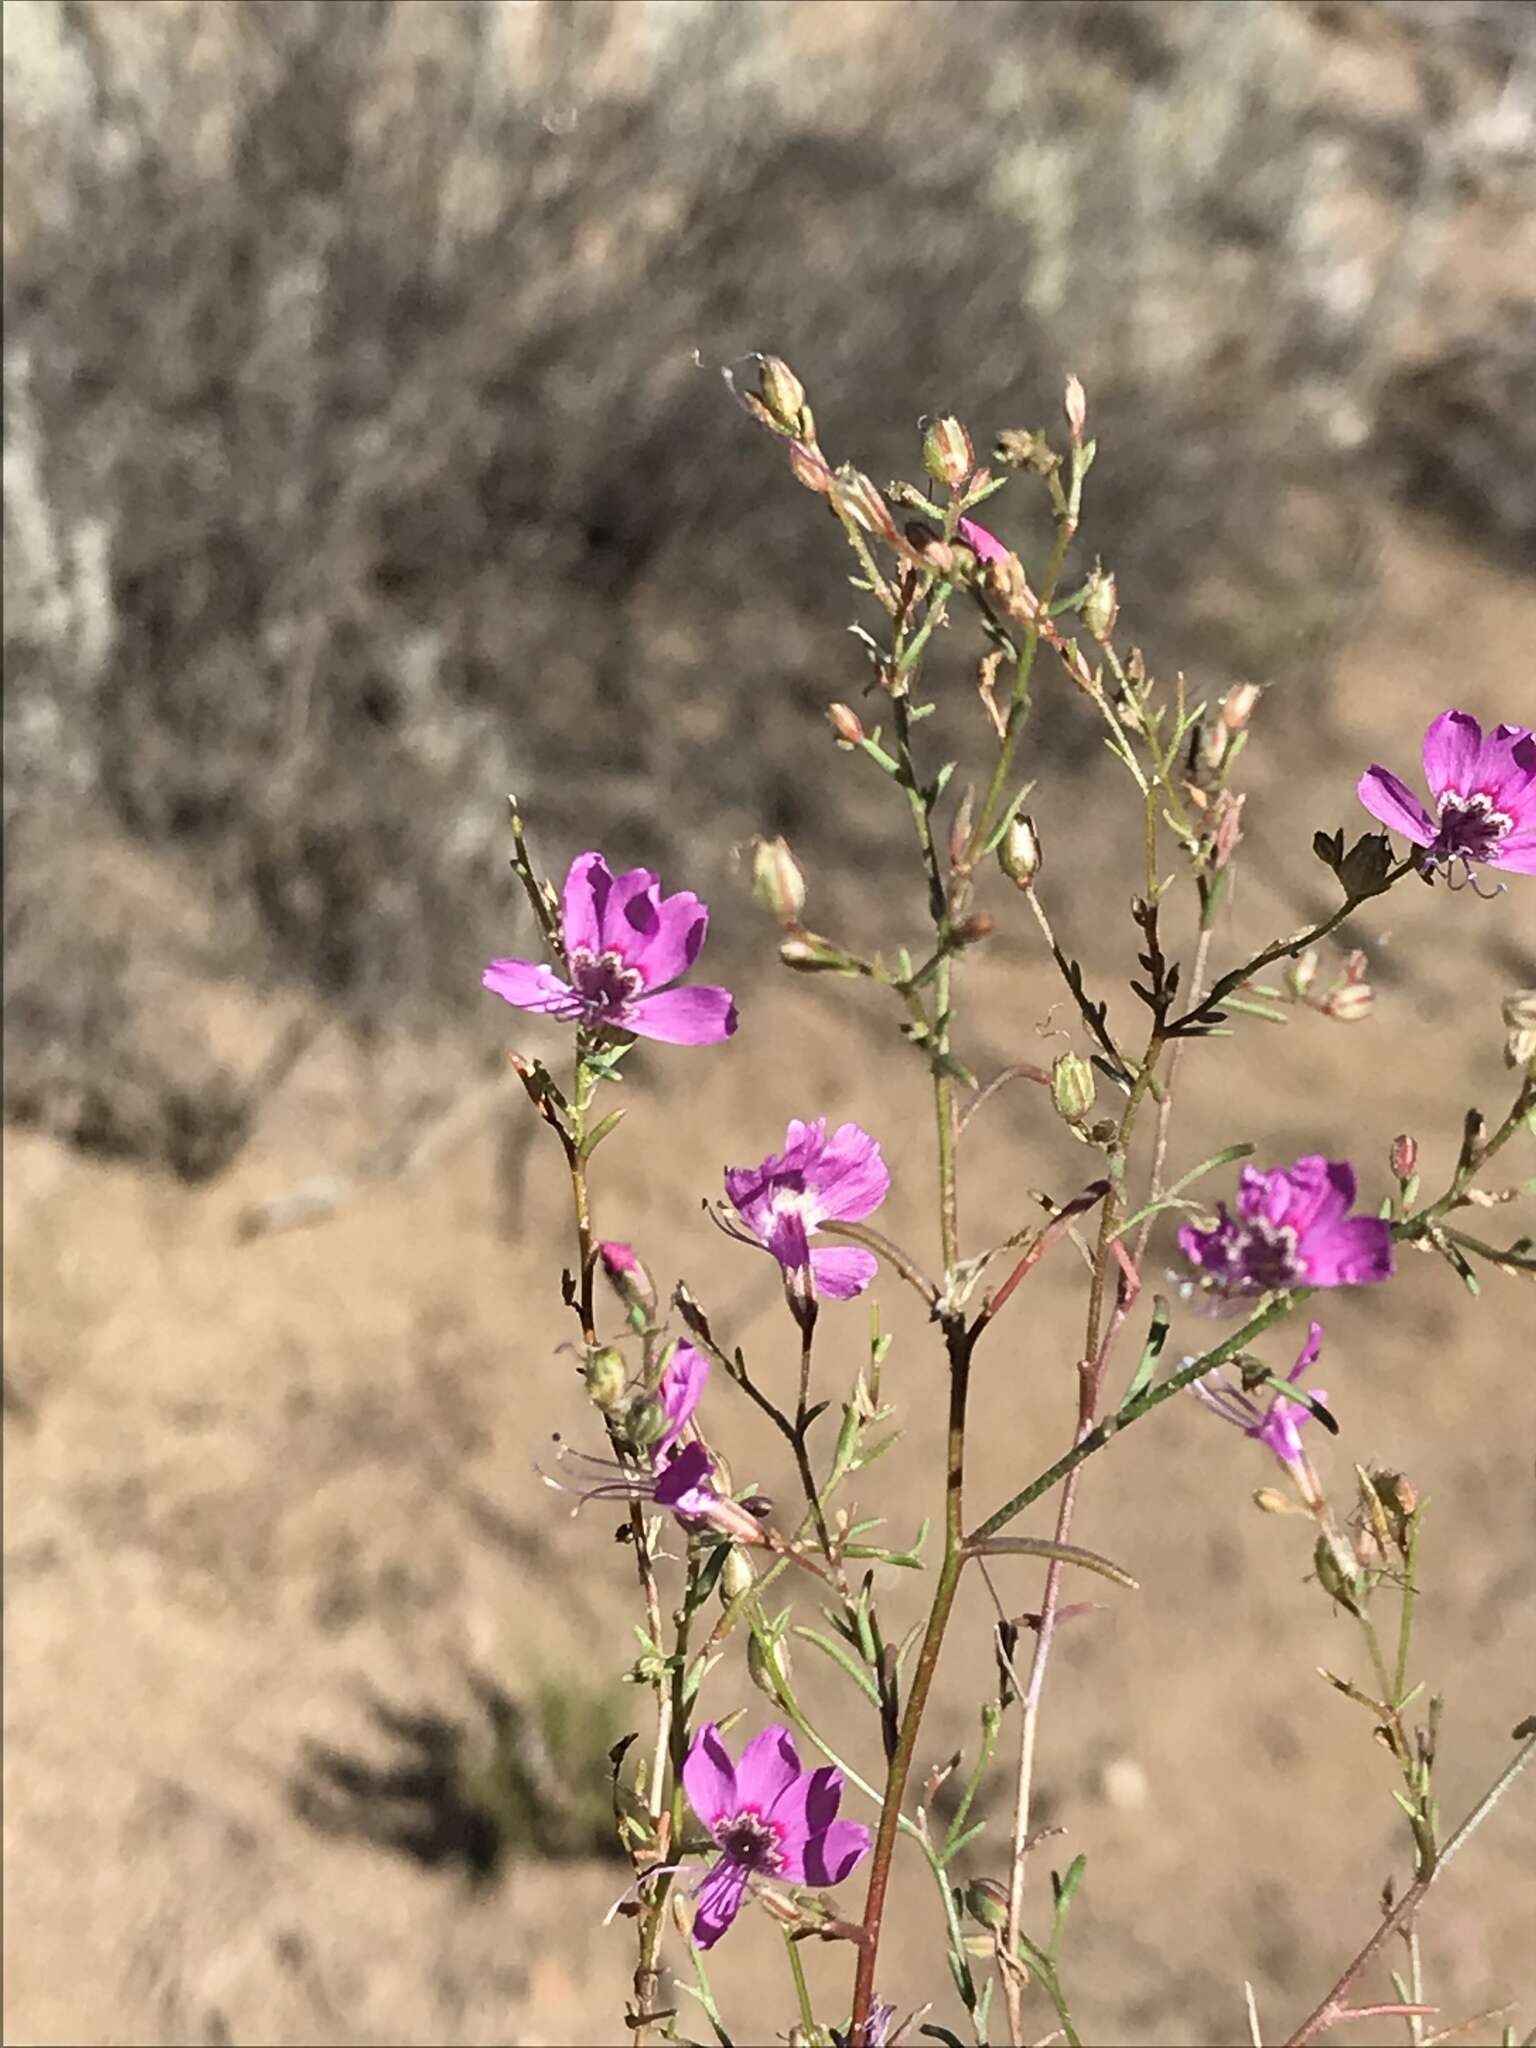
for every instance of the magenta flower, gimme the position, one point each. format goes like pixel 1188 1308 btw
pixel 1291 1230
pixel 815 1180
pixel 986 547
pixel 1277 1427
pixel 769 1819
pixel 625 944
pixel 1484 791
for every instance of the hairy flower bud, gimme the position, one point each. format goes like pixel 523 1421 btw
pixel 948 455
pixel 736 1576
pixel 809 467
pixel 808 954
pixel 605 1378
pixel 648 1422
pixel 1519 1011
pixel 1101 604
pixel 1229 828
pixel 1018 852
pixel 768 1665
pixel 987 1903
pixel 631 1282
pixel 857 495
pixel 1018 450
pixel 777 882
pixel 1273 1502
pixel 1405 1156
pixel 846 724
pixel 1075 406
pixel 1351 1003
pixel 1238 706
pixel 1072 1086
pixel 1302 971
pixel 782 393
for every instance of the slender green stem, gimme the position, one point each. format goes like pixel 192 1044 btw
pixel 1410 1594
pixel 802 1989
pixel 1018 708
pixel 900 1768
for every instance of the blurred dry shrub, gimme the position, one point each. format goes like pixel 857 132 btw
pixel 360 468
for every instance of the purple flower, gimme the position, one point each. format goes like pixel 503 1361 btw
pixel 625 944
pixel 1484 791
pixel 1291 1230
pixel 769 1819
pixel 815 1180
pixel 1278 1426
pixel 986 547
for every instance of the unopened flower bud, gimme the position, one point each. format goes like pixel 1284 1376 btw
pixel 647 1423
pixel 1302 971
pixel 809 467
pixel 605 1378
pixel 1229 828
pixel 1273 1502
pixel 1335 1575
pixel 857 495
pixel 782 393
pixel 1018 852
pixel 682 1914
pixel 987 1903
pixel 1101 604
pixel 1405 1156
pixel 777 883
pixel 736 1576
pixel 631 1281
pixel 1072 1086
pixel 972 929
pixel 1075 406
pixel 948 455
pixel 1238 706
pixel 1519 1012
pixel 846 724
pixel 768 1666
pixel 1351 1003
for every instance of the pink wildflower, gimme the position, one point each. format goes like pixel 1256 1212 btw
pixel 769 1818
pixel 625 944
pixel 1277 1427
pixel 815 1180
pixel 1484 792
pixel 1291 1230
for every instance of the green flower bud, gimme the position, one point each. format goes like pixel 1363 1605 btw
pixel 1101 605
pixel 736 1576
pixel 647 1423
pixel 987 1903
pixel 1072 1086
pixel 1018 852
pixel 948 455
pixel 605 1378
pixel 782 393
pixel 766 1664
pixel 777 882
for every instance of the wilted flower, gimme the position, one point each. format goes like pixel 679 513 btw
pixel 769 1818
pixel 986 547
pixel 815 1180
pixel 1291 1230
pixel 625 944
pixel 1277 1427
pixel 1484 791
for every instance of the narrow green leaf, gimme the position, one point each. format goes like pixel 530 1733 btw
pixel 841 1658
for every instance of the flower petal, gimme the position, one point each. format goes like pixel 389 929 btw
pixel 806 1808
pixel 586 893
pixel 1308 1353
pixel 683 1016
pixel 1319 1192
pixel 842 1271
pixel 850 1179
pixel 681 1385
pixel 719 1901
pixel 1354 1253
pixel 769 1767
pixel 1451 748
pixel 1506 770
pixel 531 986
pixel 674 940
pixel 709 1779
pixel 787 1241
pixel 1390 799
pixel 1517 852
pixel 682 1481
pixel 830 1855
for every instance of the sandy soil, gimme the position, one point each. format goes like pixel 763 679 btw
pixel 272 1537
